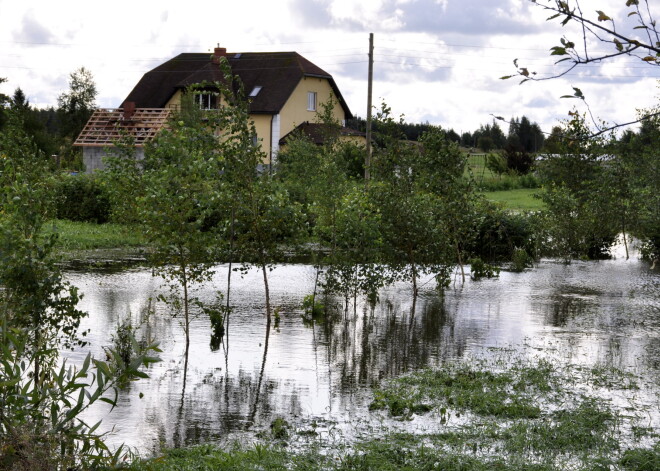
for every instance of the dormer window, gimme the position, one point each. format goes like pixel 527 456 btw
pixel 311 101
pixel 255 91
pixel 207 100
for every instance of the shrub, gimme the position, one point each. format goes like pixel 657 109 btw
pixel 518 159
pixel 81 198
pixel 520 260
pixel 496 164
pixel 479 269
pixel 500 232
pixel 41 425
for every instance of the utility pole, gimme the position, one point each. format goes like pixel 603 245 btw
pixel 367 160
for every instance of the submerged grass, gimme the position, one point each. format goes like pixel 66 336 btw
pixel 474 416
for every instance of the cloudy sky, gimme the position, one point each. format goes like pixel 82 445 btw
pixel 435 60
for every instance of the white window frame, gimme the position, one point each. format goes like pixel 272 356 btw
pixel 207 100
pixel 311 101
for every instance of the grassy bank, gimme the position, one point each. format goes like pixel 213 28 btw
pixel 80 236
pixel 476 416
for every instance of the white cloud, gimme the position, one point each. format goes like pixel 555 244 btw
pixel 436 60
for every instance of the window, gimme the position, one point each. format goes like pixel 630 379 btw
pixel 207 101
pixel 255 91
pixel 311 101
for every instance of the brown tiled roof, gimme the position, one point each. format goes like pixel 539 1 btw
pixel 317 132
pixel 277 72
pixel 107 126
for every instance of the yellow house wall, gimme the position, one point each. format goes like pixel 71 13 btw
pixel 295 111
pixel 262 126
pixel 175 101
pixel 292 114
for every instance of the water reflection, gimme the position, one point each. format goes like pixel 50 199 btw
pixel 589 313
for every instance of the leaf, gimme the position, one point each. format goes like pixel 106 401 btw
pixel 553 17
pixel 632 2
pixel 108 401
pixel 641 27
pixel 602 16
pixel 649 59
pixel 524 72
pixel 619 46
pixel 506 77
pixel 558 51
pixel 632 13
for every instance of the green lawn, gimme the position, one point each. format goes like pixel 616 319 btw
pixel 518 200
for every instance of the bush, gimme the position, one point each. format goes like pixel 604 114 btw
pixel 509 182
pixel 479 269
pixel 499 233
pixel 518 159
pixel 81 198
pixel 521 260
pixel 42 425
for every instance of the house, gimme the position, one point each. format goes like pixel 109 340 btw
pixel 284 91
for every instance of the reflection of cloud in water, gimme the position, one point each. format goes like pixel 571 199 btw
pixel 588 313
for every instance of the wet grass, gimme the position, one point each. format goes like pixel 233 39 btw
pixel 482 415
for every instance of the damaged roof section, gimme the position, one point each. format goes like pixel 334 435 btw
pixel 108 126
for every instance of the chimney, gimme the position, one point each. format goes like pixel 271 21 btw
pixel 129 110
pixel 219 52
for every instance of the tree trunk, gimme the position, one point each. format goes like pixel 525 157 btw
pixel 460 261
pixel 253 413
pixel 186 312
pixel 231 256
pixel 265 272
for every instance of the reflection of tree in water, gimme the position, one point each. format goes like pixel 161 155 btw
pixel 388 341
pixel 222 404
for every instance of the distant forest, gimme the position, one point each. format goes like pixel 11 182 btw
pixel 522 135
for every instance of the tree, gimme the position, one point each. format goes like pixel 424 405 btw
pixel 485 143
pixel 413 207
pixel 34 295
pixel 636 179
pixel 525 135
pixel 467 140
pixel 75 107
pixel 41 397
pixel 581 212
pixel 78 103
pixel 35 121
pixel 552 143
pixel 178 198
pixel 638 38
pixel 4 100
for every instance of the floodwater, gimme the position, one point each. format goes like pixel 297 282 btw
pixel 585 313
